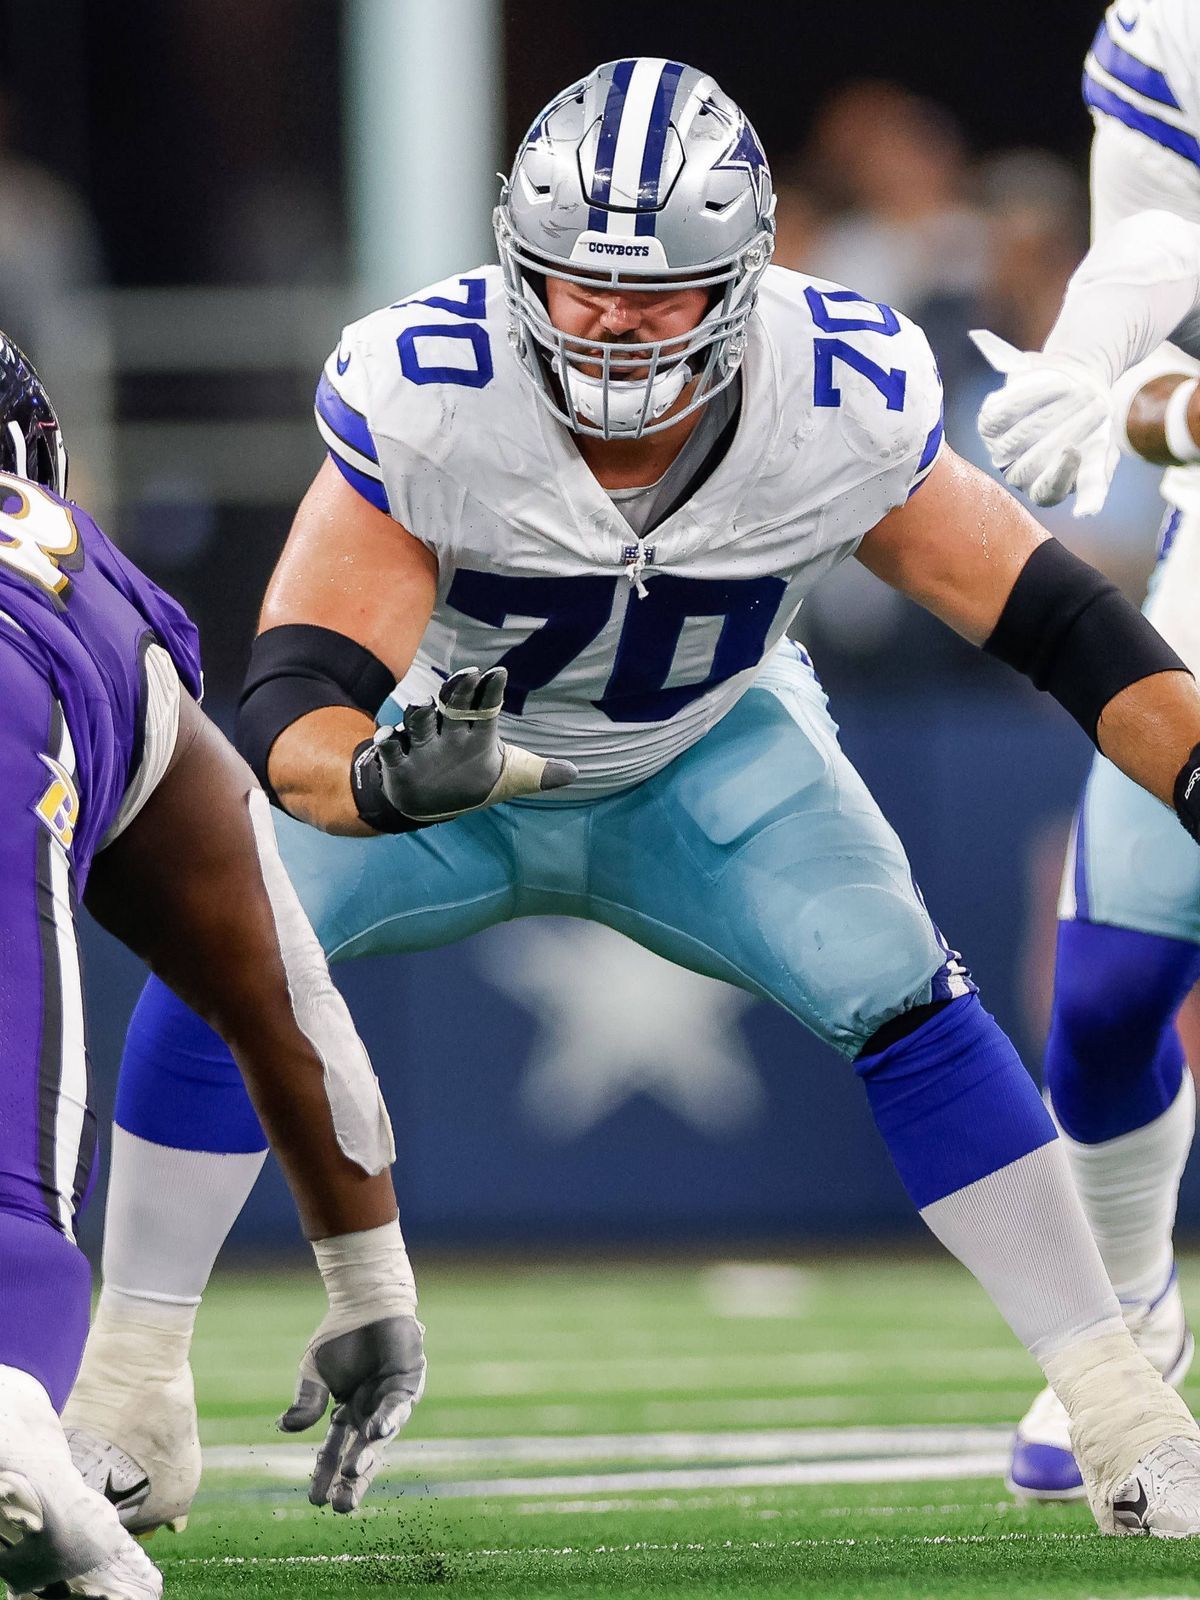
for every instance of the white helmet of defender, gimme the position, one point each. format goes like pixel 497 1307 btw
pixel 642 176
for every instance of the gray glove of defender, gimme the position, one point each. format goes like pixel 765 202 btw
pixel 376 1374
pixel 367 1353
pixel 447 758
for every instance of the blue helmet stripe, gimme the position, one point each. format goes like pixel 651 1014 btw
pixel 656 143
pixel 1171 138
pixel 1127 69
pixel 606 145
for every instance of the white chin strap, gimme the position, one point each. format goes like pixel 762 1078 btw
pixel 626 399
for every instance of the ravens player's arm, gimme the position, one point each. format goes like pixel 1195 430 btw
pixel 195 886
pixel 965 549
pixel 343 615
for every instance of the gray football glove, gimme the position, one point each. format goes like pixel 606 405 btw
pixel 447 758
pixel 376 1374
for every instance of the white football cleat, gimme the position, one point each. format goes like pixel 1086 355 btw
pixel 1161 1497
pixel 57 1536
pixel 1043 1465
pixel 131 1423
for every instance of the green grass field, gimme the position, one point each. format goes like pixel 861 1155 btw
pixel 834 1429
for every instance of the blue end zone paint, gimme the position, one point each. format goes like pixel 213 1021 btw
pixel 179 1085
pixel 954 1102
pixel 1102 99
pixel 1114 1061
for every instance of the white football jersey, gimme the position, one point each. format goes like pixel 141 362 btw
pixel 621 652
pixel 1142 83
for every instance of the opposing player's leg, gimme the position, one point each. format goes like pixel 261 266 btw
pixel 53 1528
pixel 800 891
pixel 1128 953
pixel 186 1128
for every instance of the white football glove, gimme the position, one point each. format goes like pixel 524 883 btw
pixel 1051 427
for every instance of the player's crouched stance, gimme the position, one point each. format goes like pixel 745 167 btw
pixel 117 789
pixel 614 468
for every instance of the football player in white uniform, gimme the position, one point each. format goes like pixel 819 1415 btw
pixel 1119 370
pixel 571 506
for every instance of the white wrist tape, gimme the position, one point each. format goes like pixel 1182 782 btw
pixel 367 1276
pixel 1181 442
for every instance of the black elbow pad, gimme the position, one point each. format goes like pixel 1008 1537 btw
pixel 298 668
pixel 1071 631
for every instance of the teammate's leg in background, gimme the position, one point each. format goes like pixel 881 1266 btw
pixel 1128 953
pixel 850 951
pixel 52 1526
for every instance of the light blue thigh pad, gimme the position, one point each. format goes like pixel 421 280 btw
pixel 1131 865
pixel 759 856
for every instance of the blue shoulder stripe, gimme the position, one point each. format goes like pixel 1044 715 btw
pixel 928 455
pixel 933 444
pixel 1127 69
pixel 1102 99
pixel 370 488
pixel 350 426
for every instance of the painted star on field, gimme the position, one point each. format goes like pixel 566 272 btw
pixel 615 1021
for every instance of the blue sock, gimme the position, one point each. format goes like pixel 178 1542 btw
pixel 953 1101
pixel 1113 1059
pixel 179 1085
pixel 45 1299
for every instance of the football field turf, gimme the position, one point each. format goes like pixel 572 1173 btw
pixel 837 1428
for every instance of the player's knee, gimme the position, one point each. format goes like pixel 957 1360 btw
pixel 1113 1057
pixel 1116 991
pixel 868 951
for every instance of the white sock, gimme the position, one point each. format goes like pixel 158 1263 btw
pixel 1022 1232
pixel 169 1212
pixel 1129 1187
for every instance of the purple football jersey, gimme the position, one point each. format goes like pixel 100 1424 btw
pixel 82 613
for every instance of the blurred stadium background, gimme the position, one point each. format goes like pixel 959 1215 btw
pixel 195 195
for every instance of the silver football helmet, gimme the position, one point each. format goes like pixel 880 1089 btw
pixel 641 176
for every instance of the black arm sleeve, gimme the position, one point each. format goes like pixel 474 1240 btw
pixel 296 669
pixel 1075 635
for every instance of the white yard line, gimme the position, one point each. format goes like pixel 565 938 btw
pixel 684 1461
pixel 881 1469
pixel 787 1446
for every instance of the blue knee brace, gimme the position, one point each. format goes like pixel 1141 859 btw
pixel 179 1085
pixel 953 1101
pixel 1113 1059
